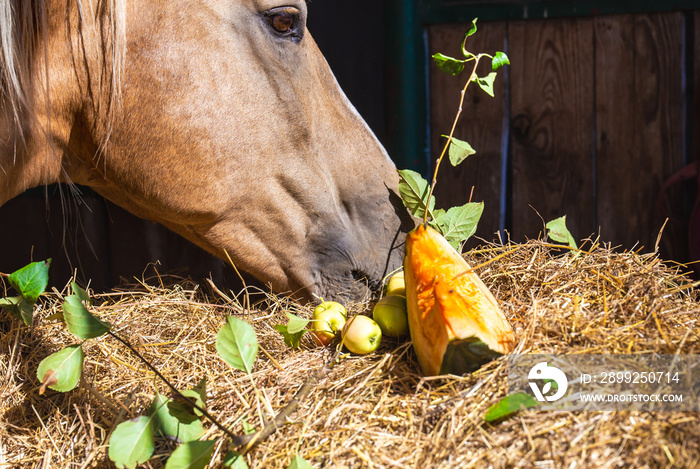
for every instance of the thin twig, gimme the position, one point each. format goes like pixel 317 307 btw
pixel 449 138
pixel 248 442
pixel 172 387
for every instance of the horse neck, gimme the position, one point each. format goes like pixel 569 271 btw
pixel 37 122
pixel 26 162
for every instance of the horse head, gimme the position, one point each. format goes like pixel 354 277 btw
pixel 220 120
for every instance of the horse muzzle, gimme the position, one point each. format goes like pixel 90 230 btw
pixel 345 277
pixel 353 262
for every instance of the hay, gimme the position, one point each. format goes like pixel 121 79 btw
pixel 370 411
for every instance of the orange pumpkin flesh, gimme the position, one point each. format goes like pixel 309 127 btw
pixel 455 322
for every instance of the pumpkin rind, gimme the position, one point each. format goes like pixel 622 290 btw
pixel 449 305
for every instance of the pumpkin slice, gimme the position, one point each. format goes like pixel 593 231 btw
pixel 455 322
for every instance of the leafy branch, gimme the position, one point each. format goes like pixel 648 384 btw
pixel 458 223
pixel 180 419
pixel 30 282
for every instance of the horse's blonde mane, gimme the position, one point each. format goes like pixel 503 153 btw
pixel 20 22
pixel 23 40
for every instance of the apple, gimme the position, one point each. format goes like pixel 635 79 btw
pixel 362 335
pixel 390 313
pixel 396 285
pixel 328 318
pixel 331 306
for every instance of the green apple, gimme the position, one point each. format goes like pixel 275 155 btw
pixel 331 306
pixel 396 285
pixel 362 335
pixel 390 313
pixel 328 318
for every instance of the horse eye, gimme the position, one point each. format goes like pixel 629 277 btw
pixel 286 22
pixel 283 22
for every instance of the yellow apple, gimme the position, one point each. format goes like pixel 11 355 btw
pixel 361 335
pixel 396 285
pixel 328 319
pixel 331 306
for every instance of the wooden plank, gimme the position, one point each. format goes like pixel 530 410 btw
pixel 552 125
pixel 693 141
pixel 77 237
pixel 481 123
pixel 141 249
pixel 134 243
pixel 617 158
pixel 446 11
pixel 659 70
pixel 47 222
pixel 639 139
pixel 694 127
pixel 24 233
pixel 694 124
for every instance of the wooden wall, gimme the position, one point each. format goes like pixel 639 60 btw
pixel 589 120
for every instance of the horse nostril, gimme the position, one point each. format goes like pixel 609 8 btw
pixel 362 277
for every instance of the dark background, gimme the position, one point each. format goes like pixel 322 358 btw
pixel 352 41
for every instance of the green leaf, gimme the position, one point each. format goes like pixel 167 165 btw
pixel 293 331
pixel 198 395
pixel 414 191
pixel 290 340
pixel 81 294
pixel 509 405
pixel 167 424
pixel 460 222
pixel 248 428
pixel 235 460
pixel 237 345
pixel 470 32
pixel 61 371
pixel 80 321
pixel 448 64
pixel 19 308
pixel 486 83
pixel 184 410
pixel 499 60
pixel 181 411
pixel 438 221
pixel 459 150
pixel 296 324
pixel 132 442
pixel 191 455
pixel 556 229
pixel 31 280
pixel 299 463
pixel 472 29
pixel 57 316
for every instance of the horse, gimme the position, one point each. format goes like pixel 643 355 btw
pixel 220 120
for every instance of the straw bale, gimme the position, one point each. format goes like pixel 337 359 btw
pixel 370 411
